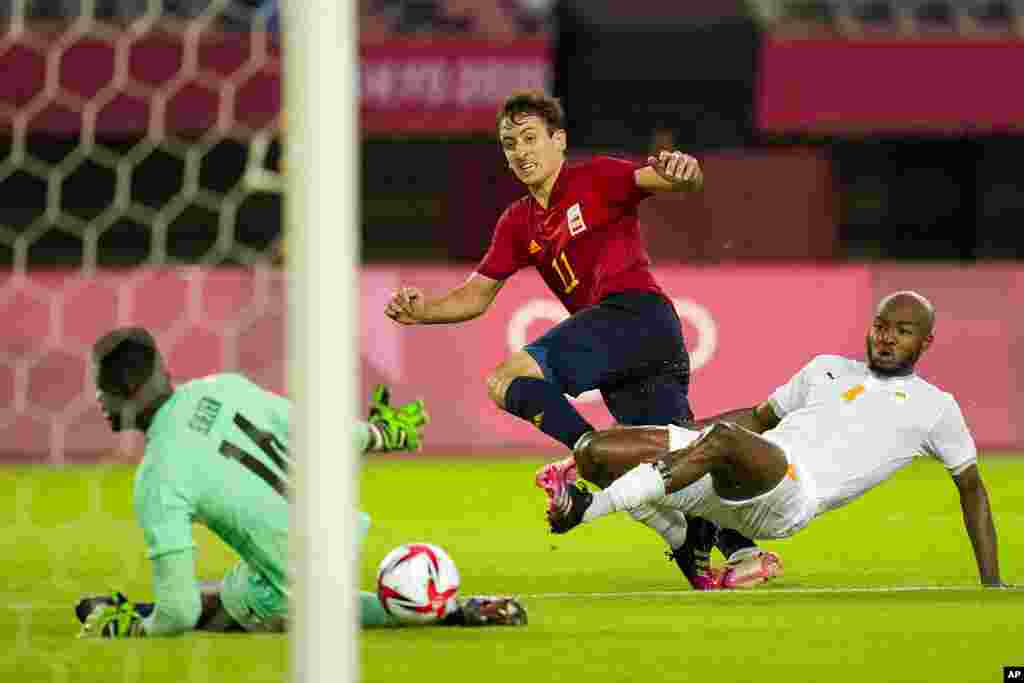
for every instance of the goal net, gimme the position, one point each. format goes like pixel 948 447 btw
pixel 138 162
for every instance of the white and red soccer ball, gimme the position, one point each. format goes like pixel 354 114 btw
pixel 417 583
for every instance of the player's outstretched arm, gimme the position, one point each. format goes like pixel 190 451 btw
pixel 394 429
pixel 979 524
pixel 410 306
pixel 670 171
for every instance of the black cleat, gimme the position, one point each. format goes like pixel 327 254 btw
pixel 488 610
pixel 694 557
pixel 567 512
pixel 695 565
pixel 86 605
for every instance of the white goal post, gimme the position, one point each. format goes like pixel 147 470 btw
pixel 321 149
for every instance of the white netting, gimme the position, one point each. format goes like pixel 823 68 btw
pixel 136 153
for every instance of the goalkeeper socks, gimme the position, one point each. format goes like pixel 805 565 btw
pixel 372 613
pixel 730 541
pixel 542 403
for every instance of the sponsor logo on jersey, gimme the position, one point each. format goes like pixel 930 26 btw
pixel 534 247
pixel 205 415
pixel 853 392
pixel 575 218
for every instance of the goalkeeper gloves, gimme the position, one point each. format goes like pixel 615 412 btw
pixel 397 429
pixel 109 617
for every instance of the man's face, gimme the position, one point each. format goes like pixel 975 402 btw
pixel 117 408
pixel 898 337
pixel 533 154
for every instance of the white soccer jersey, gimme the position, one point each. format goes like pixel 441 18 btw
pixel 851 430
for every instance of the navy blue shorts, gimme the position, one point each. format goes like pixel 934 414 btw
pixel 630 346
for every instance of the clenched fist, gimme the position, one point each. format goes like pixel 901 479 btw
pixel 406 306
pixel 677 168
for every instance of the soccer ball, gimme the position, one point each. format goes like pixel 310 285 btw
pixel 417 583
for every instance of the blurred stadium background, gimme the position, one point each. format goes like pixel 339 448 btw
pixel 850 148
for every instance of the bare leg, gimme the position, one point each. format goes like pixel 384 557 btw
pixel 602 457
pixel 742 464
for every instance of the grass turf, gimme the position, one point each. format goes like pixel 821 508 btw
pixel 602 600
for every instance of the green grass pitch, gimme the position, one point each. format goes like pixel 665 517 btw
pixel 883 590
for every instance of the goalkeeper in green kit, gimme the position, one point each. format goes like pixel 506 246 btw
pixel 217 454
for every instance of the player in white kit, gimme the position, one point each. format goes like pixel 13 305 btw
pixel 837 429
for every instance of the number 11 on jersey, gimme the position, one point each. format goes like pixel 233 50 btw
pixel 568 277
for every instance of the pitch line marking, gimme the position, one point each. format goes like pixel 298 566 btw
pixel 763 591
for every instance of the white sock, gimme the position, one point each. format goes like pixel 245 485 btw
pixel 640 485
pixel 669 524
pixel 681 437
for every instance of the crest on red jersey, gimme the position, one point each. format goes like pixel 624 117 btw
pixel 574 216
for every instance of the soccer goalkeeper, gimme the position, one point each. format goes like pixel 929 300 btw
pixel 217 453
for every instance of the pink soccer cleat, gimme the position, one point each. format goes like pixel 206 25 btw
pixel 748 568
pixel 696 567
pixel 706 581
pixel 555 478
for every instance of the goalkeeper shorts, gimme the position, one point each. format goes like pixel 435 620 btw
pixel 253 601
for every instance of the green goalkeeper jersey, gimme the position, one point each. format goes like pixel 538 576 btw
pixel 217 454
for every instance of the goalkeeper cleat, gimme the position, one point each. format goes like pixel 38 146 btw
pixel 113 618
pixel 554 477
pixel 399 428
pixel 86 605
pixel 566 511
pixel 748 568
pixel 492 610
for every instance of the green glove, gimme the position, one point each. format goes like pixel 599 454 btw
pixel 398 428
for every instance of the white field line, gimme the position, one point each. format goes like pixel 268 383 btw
pixel 835 590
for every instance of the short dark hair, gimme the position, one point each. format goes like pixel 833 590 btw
pixel 126 357
pixel 533 102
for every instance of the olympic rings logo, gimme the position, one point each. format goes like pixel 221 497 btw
pixel 702 349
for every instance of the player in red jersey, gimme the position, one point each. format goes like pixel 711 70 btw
pixel 579 227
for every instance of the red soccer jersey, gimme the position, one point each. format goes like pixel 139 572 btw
pixel 586 244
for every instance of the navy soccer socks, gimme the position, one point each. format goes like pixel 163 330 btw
pixel 730 541
pixel 541 403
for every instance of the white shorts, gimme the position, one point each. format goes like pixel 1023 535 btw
pixel 778 513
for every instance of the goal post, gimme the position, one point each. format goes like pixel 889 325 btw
pixel 321 149
pixel 140 188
